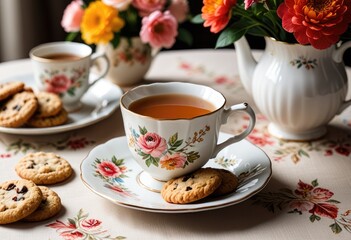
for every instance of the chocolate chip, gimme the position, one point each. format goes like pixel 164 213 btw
pixel 188 188
pixel 17 199
pixel 23 190
pixel 4 108
pixel 175 186
pixel 10 187
pixel 187 177
pixel 17 107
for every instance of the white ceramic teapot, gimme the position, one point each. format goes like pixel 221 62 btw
pixel 298 88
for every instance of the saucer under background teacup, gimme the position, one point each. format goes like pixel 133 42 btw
pixel 119 183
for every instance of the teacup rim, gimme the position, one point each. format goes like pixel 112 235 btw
pixel 49 44
pixel 171 119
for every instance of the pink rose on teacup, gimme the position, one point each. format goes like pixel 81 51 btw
pixel 159 29
pixel 179 9
pixel 58 84
pixel 153 144
pixel 121 5
pixel 145 7
pixel 72 16
pixel 172 161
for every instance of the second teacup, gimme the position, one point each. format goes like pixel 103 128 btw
pixel 173 128
pixel 64 68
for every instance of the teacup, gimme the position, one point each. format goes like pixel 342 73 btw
pixel 64 68
pixel 172 141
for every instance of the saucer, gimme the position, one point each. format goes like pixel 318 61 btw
pixel 85 116
pixel 111 172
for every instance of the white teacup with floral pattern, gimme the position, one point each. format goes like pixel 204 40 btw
pixel 64 68
pixel 170 148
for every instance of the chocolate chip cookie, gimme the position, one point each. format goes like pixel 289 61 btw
pixel 191 187
pixel 44 168
pixel 18 109
pixel 18 199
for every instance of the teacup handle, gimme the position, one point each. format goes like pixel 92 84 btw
pixel 94 57
pixel 227 112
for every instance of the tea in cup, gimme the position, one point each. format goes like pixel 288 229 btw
pixel 172 128
pixel 64 68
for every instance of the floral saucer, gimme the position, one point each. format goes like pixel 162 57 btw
pixel 110 171
pixel 88 114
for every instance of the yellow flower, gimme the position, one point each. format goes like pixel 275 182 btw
pixel 99 23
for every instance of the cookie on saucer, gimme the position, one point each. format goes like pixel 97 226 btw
pixel 52 121
pixel 229 183
pixel 10 88
pixel 50 206
pixel 18 199
pixel 191 187
pixel 18 109
pixel 50 104
pixel 44 168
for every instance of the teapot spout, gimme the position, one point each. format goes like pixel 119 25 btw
pixel 246 63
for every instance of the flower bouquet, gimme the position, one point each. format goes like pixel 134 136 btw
pixel 320 23
pixel 107 21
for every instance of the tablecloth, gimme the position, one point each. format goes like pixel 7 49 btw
pixel 307 197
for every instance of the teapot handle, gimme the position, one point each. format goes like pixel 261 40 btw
pixel 338 57
pixel 339 52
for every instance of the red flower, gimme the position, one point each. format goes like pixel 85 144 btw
pixel 217 13
pixel 72 235
pixel 319 23
pixel 314 199
pixel 58 84
pixel 91 223
pixel 108 169
pixel 77 143
pixel 325 210
pixel 343 151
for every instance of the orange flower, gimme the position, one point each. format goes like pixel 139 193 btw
pixel 99 23
pixel 316 22
pixel 217 13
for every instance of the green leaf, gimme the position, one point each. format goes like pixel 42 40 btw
pixel 143 130
pixel 71 36
pixel 116 40
pixel 148 162
pixel 333 201
pixel 303 153
pixel 314 183
pixel 173 139
pixel 197 19
pixel 335 228
pixel 229 36
pixel 185 36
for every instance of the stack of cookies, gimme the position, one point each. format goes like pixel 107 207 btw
pixel 198 185
pixel 20 106
pixel 24 199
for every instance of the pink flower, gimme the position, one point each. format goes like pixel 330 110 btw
pixel 301 206
pixel 121 5
pixel 159 29
pixel 153 144
pixel 146 7
pixel 172 161
pixel 72 16
pixel 71 235
pixel 91 224
pixel 179 9
pixel 58 84
pixel 248 3
pixel 108 169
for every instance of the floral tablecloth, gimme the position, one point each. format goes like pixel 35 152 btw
pixel 308 196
